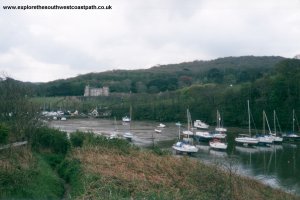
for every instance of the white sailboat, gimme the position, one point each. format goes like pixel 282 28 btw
pixel 127 119
pixel 114 133
pixel 128 135
pixel 161 125
pixel 157 130
pixel 220 128
pixel 220 131
pixel 182 146
pixel 218 144
pixel 219 137
pixel 203 136
pixel 292 137
pixel 265 139
pixel 200 124
pixel 277 139
pixel 247 139
pixel 188 132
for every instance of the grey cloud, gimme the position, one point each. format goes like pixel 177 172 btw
pixel 139 34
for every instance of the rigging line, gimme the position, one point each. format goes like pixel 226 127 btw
pixel 278 124
pixel 256 132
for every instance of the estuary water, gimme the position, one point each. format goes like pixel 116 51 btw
pixel 277 166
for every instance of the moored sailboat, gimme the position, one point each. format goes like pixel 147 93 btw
pixel 265 139
pixel 183 146
pixel 220 128
pixel 247 140
pixel 200 124
pixel 127 119
pixel 218 144
pixel 203 136
pixel 188 132
pixel 128 135
pixel 292 137
pixel 277 139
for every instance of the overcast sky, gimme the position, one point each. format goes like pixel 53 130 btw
pixel 45 45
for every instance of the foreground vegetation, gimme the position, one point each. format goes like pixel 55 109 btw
pixel 94 167
pixel 26 175
pixel 109 172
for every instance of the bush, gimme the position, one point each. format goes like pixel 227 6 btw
pixel 70 171
pixel 3 133
pixel 53 159
pixel 68 168
pixel 119 144
pixel 158 151
pixel 77 139
pixel 54 140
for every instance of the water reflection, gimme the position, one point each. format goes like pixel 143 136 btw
pixel 277 166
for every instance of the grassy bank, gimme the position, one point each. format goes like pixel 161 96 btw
pixel 93 167
pixel 109 172
pixel 24 175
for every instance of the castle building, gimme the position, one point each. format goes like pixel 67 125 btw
pixel 93 92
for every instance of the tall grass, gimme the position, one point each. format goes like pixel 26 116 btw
pixel 111 174
pixel 24 175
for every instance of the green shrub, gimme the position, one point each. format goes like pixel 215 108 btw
pixel 77 139
pixel 70 171
pixel 53 159
pixel 3 133
pixel 159 151
pixel 51 139
pixel 119 144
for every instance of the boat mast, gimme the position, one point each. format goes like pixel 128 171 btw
pixel 264 128
pixel 115 123
pixel 266 118
pixel 188 118
pixel 293 121
pixel 130 117
pixel 249 118
pixel 274 118
pixel 218 119
pixel 130 112
pixel 179 131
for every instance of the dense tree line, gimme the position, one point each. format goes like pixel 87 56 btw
pixel 163 93
pixel 230 70
pixel 278 90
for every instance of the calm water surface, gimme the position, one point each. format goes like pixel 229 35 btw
pixel 277 166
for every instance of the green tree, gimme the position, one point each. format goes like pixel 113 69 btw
pixel 4 130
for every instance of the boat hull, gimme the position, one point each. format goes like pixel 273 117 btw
pixel 293 139
pixel 265 140
pixel 246 141
pixel 218 146
pixel 184 148
pixel 128 136
pixel 200 125
pixel 203 136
